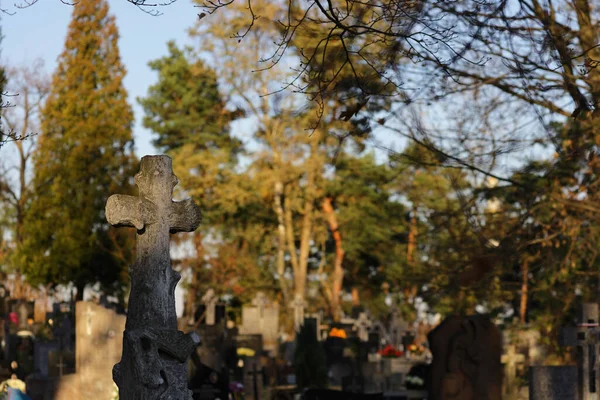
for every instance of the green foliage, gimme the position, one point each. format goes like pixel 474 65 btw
pixel 371 220
pixel 85 154
pixel 184 106
pixel 309 359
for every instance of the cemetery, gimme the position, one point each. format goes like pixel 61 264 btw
pixel 300 200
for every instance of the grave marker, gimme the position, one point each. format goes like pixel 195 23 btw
pixel 510 361
pixel 362 325
pixel 586 338
pixel 210 301
pixel 298 306
pixel 262 318
pixel 151 327
pixel 553 383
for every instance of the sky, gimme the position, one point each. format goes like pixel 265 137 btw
pixel 39 31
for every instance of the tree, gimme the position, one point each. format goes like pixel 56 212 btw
pixel 23 117
pixel 186 111
pixel 287 164
pixel 370 228
pixel 85 153
pixel 15 186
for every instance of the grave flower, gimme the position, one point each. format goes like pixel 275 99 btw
pixel 340 333
pixel 244 351
pixel 390 351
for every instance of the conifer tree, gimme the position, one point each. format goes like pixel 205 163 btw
pixel 85 153
pixel 185 109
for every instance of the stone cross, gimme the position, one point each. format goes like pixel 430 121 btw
pixel 260 301
pixel 362 325
pixel 298 305
pixel 510 361
pixel 154 361
pixel 210 301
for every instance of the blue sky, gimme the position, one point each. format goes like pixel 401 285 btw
pixel 39 32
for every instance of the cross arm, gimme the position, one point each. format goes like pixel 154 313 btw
pixel 185 216
pixel 123 210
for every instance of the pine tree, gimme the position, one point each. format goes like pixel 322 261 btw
pixel 185 109
pixel 184 106
pixel 85 153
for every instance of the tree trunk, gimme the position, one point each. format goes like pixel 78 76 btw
pixel 280 240
pixel 524 292
pixel 307 219
pixel 338 271
pixel 410 292
pixel 355 296
pixel 412 238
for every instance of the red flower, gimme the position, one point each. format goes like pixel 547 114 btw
pixel 390 351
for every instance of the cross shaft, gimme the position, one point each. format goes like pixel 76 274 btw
pixel 154 351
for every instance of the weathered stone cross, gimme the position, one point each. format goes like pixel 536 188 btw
pixel 153 365
pixel 362 326
pixel 510 361
pixel 298 305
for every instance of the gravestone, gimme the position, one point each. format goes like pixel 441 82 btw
pixel 381 330
pixel 312 324
pixel 98 344
pixel 253 379
pixel 466 359
pixel 151 327
pixel 24 313
pixel 553 383
pixel 588 345
pixel 207 383
pixel 262 318
pixel 362 325
pixel 373 342
pixel 510 361
pixel 41 355
pixel 297 306
pixel 210 350
pixel 63 330
pixel 210 301
pixel 39 309
pixel 397 327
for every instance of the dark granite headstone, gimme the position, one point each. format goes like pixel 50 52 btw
pixel 553 383
pixel 210 350
pixel 466 359
pixel 374 341
pixel 311 323
pixel 207 383
pixel 41 355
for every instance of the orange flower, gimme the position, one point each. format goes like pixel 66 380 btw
pixel 335 332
